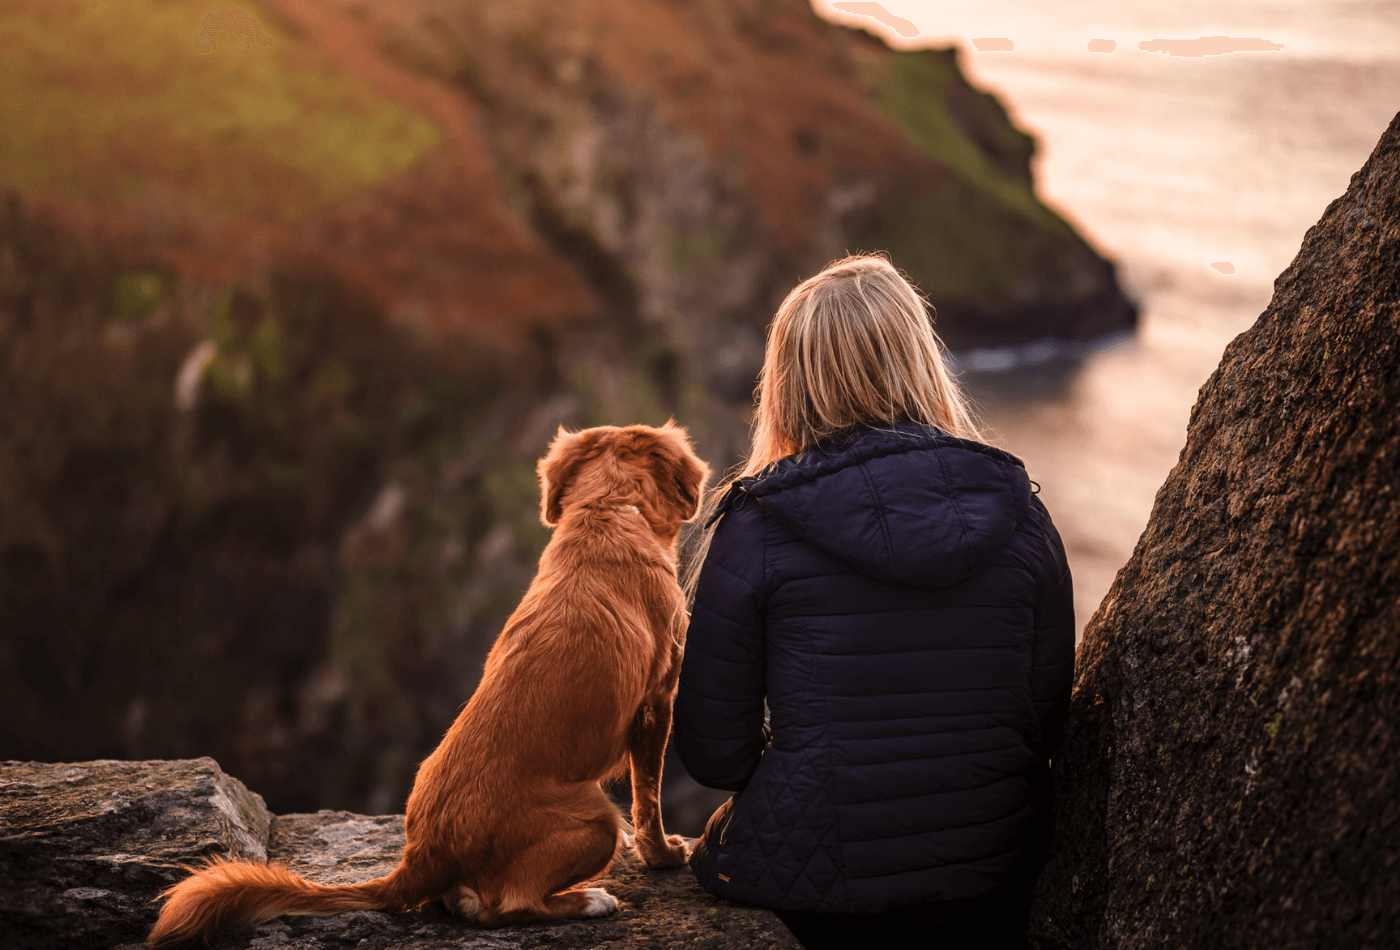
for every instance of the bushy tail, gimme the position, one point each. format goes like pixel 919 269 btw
pixel 225 893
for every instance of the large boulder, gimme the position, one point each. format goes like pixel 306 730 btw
pixel 85 848
pixel 1230 772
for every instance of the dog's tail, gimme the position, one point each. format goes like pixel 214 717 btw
pixel 225 893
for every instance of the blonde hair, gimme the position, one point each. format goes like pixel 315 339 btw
pixel 852 346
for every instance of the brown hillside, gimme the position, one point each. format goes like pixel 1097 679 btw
pixel 292 298
pixel 518 159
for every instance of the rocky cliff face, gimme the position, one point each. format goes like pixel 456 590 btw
pixel 85 848
pixel 1230 777
pixel 715 151
pixel 292 297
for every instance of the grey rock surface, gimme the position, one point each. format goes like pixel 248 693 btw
pixel 1230 777
pixel 86 848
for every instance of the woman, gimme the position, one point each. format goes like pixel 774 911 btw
pixel 895 594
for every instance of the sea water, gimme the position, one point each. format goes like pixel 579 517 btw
pixel 1198 170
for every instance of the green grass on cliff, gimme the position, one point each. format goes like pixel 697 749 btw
pixel 963 239
pixel 957 242
pixel 911 87
pixel 106 101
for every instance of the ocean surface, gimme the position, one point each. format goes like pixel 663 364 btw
pixel 1169 160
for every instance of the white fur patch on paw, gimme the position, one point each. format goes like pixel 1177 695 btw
pixel 599 904
pixel 467 902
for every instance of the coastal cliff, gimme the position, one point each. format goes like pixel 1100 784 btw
pixel 1229 775
pixel 293 294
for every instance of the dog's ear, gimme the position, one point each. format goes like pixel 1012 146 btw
pixel 557 469
pixel 678 470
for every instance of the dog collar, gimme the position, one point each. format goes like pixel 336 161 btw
pixel 632 508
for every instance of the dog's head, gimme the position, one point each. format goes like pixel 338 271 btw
pixel 652 468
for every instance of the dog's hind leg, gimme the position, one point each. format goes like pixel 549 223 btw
pixel 581 902
pixel 534 885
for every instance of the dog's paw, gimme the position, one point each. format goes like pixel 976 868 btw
pixel 598 903
pixel 463 901
pixel 670 854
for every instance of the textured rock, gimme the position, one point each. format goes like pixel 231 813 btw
pixel 85 847
pixel 1230 775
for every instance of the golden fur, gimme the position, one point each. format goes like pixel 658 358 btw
pixel 507 816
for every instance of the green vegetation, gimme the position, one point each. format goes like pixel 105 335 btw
pixel 268 347
pixel 912 88
pixel 700 251
pixel 956 242
pixel 112 101
pixel 511 492
pixel 136 295
pixel 968 237
pixel 353 640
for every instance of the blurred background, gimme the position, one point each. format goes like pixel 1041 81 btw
pixel 293 293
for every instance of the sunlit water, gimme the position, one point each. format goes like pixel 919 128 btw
pixel 1168 164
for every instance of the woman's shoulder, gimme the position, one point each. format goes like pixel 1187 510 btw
pixel 902 444
pixel 1039 540
pixel 739 513
pixel 736 544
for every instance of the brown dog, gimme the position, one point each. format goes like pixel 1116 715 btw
pixel 507 816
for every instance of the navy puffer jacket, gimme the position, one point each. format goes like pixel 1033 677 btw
pixel 900 600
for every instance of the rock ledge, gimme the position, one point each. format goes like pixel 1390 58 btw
pixel 86 847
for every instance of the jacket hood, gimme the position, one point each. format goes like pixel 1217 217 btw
pixel 908 505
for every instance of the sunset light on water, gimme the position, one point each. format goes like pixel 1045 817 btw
pixel 1198 170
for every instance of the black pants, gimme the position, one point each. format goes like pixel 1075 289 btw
pixel 994 921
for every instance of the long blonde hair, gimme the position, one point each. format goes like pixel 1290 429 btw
pixel 852 346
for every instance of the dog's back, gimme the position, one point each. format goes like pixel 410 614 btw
pixel 566 675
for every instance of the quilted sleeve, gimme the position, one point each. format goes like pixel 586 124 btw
pixel 719 705
pixel 1052 655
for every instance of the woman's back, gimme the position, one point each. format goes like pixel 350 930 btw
pixel 901 600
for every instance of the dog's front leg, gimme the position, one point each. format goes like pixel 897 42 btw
pixel 650 729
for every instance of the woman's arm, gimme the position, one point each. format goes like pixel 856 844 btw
pixel 719 705
pixel 1052 654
